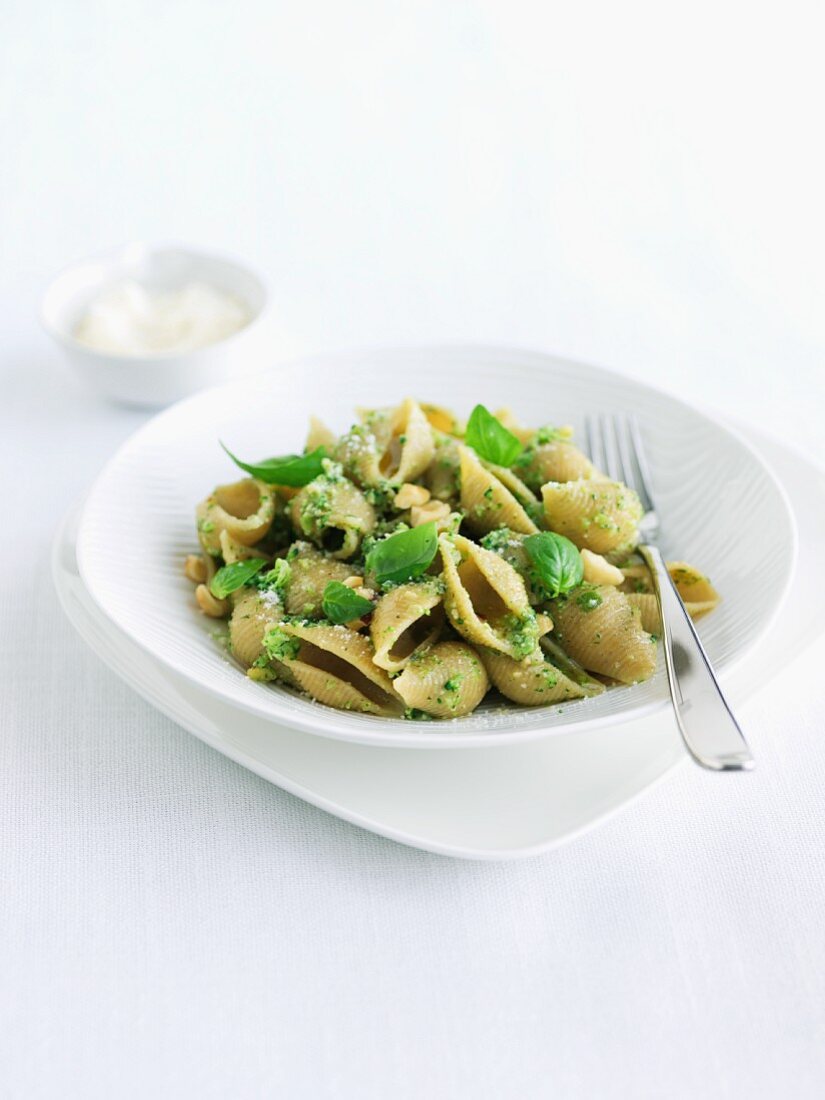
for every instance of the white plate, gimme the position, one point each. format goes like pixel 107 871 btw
pixel 499 803
pixel 721 509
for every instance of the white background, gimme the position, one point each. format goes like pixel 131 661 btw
pixel 640 185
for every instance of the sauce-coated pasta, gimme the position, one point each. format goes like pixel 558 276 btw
pixel 415 563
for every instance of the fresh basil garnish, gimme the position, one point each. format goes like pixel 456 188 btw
pixel 404 555
pixel 234 576
pixel 341 604
pixel 490 439
pixel 293 470
pixel 556 562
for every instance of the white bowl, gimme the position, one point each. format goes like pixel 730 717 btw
pixel 163 377
pixel 521 800
pixel 721 509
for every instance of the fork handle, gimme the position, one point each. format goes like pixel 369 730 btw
pixel 708 728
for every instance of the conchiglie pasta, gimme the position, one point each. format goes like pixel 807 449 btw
pixel 648 608
pixel 511 422
pixel 443 420
pixel 334 513
pixel 319 435
pixel 447 680
pixel 335 666
pixel 510 546
pixel 410 448
pixel 233 551
pixel 485 599
pixel 510 480
pixel 558 460
pixel 253 615
pixel 601 630
pixel 405 620
pixel 697 593
pixel 601 516
pixel 319 619
pixel 443 475
pixel 244 509
pixel 487 502
pixel 560 659
pixel 360 450
pixel 310 572
pixel 534 681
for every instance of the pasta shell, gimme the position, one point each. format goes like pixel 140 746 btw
pixel 562 660
pixel 486 600
pixel 447 680
pixel 510 546
pixel 443 475
pixel 636 575
pixel 360 450
pixel 253 614
pixel 596 515
pixel 411 446
pixel 697 593
pixel 648 606
pixel 334 513
pixel 487 502
pixel 244 509
pixel 405 620
pixel 309 573
pixel 598 570
pixel 558 460
pixel 233 551
pixel 607 638
pixel 334 665
pixel 511 422
pixel 443 420
pixel 534 681
pixel 319 435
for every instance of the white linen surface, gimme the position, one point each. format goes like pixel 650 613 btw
pixel 173 926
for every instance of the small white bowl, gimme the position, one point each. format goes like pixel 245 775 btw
pixel 162 377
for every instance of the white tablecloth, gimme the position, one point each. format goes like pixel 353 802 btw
pixel 602 183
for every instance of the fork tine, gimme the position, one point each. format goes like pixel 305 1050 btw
pixel 595 448
pixel 644 484
pixel 611 454
pixel 621 426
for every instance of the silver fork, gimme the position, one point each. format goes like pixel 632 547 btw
pixel 709 729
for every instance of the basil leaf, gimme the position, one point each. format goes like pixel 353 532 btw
pixel 490 439
pixel 341 604
pixel 556 562
pixel 234 576
pixel 404 555
pixel 294 470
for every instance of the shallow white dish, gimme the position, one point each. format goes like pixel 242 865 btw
pixel 721 508
pixel 497 803
pixel 163 377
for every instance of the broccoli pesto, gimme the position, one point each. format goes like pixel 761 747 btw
pixel 409 566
